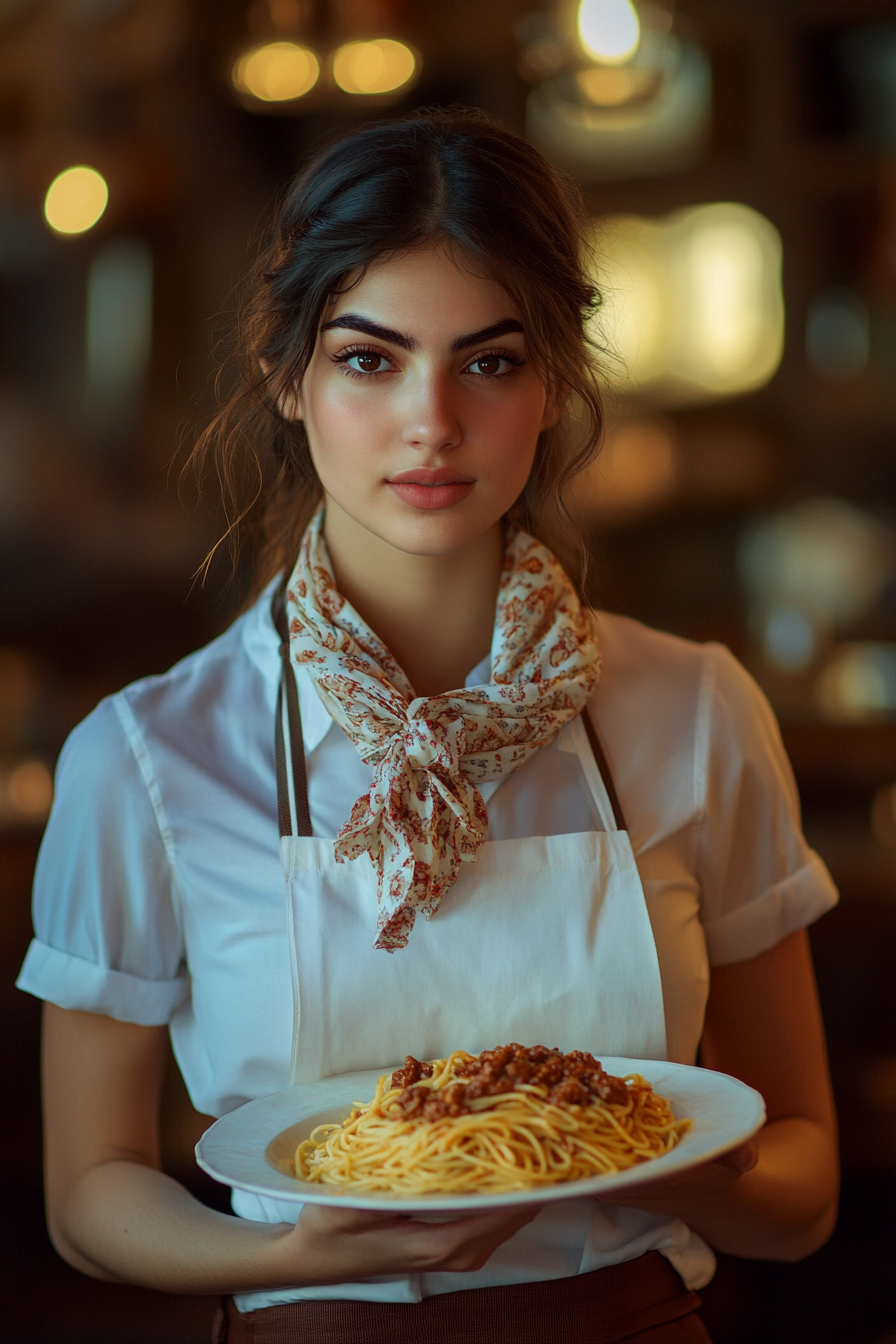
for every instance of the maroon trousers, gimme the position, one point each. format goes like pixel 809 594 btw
pixel 642 1301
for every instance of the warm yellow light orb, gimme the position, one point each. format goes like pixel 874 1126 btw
pixel 606 86
pixel 727 296
pixel 75 200
pixel 692 304
pixel 380 66
pixel 277 72
pixel 609 30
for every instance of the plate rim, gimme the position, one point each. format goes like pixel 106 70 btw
pixel 301 1193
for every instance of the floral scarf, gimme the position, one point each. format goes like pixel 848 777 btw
pixel 424 816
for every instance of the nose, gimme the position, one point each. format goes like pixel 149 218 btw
pixel 432 419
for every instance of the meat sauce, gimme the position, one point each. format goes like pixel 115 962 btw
pixel 576 1079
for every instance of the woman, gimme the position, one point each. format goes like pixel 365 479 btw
pixel 412 345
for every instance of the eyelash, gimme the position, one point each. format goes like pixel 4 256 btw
pixel 516 362
pixel 349 353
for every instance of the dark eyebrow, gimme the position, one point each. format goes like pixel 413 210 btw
pixel 487 333
pixel 353 322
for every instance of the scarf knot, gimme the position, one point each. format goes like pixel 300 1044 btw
pixel 423 815
pixel 435 745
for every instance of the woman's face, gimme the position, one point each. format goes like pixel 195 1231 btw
pixel 421 406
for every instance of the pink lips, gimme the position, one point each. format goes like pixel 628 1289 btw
pixel 431 488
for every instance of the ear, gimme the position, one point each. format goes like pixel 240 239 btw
pixel 290 403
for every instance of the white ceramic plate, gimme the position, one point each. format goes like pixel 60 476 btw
pixel 252 1147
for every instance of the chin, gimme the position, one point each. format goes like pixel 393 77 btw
pixel 432 536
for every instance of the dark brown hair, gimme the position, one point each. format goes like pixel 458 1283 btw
pixel 455 178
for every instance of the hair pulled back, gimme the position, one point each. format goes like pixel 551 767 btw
pixel 449 178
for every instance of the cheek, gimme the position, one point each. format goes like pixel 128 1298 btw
pixel 515 439
pixel 340 429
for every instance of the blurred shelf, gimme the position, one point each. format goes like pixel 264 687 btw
pixel 842 757
pixel 860 866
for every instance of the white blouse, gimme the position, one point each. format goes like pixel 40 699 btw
pixel 159 897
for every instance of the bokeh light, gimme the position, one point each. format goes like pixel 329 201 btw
pixel 693 302
pixel 609 30
pixel 823 556
pixel 75 200
pixel 858 683
pixel 635 474
pixel 30 787
pixel 790 638
pixel 117 330
pixel 821 565
pixel 633 279
pixel 26 793
pixel 838 335
pixel 729 335
pixel 608 86
pixel 629 117
pixel 380 66
pixel 278 72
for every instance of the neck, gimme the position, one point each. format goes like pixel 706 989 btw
pixel 435 613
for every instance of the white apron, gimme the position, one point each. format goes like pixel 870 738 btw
pixel 543 940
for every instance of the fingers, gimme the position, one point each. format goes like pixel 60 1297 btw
pixel 467 1244
pixel 708 1178
pixel 376 1243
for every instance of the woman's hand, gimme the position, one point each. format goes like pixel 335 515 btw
pixel 336 1245
pixel 774 1198
pixel 683 1194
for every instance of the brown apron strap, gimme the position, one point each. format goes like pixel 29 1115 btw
pixel 296 750
pixel 296 757
pixel 603 768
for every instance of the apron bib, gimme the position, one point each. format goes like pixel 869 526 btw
pixel 543 940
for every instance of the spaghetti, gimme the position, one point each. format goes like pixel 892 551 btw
pixel 508 1119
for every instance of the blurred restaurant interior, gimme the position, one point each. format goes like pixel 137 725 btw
pixel 738 159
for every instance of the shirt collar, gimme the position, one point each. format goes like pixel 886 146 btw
pixel 262 644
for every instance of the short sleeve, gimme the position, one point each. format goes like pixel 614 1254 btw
pixel 759 879
pixel 107 937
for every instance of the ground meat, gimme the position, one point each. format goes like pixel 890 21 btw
pixel 576 1079
pixel 412 1072
pixel 570 1093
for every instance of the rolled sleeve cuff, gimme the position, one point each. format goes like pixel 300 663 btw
pixel 72 982
pixel 791 905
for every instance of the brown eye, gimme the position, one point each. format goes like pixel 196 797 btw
pixel 369 363
pixel 487 364
pixel 364 361
pixel 496 365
